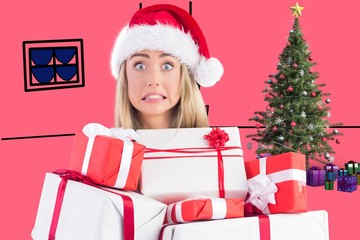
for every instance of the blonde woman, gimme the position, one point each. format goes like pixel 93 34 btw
pixel 159 60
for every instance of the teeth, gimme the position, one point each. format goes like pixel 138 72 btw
pixel 154 97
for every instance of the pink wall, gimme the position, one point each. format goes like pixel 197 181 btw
pixel 247 36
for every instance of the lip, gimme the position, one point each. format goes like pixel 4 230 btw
pixel 153 96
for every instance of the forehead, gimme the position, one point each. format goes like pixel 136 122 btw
pixel 151 54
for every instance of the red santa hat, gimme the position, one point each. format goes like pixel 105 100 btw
pixel 167 28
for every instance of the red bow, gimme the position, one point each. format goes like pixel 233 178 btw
pixel 217 138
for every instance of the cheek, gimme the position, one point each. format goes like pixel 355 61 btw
pixel 133 92
pixel 135 84
pixel 174 86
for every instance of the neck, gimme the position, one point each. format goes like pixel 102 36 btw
pixel 155 121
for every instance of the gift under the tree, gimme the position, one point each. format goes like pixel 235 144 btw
pixel 342 172
pixel 295 226
pixel 277 184
pixel 331 175
pixel 207 208
pixel 108 156
pixel 332 167
pixel 352 167
pixel 189 162
pixel 347 183
pixel 70 209
pixel 315 176
pixel 329 185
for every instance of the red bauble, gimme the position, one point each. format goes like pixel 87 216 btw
pixel 324 139
pixel 313 94
pixel 281 106
pixel 310 58
pixel 311 70
pixel 338 141
pixel 267 95
pixel 257 125
pixel 320 107
pixel 294 65
pixel 290 89
pixel 274 128
pixel 282 77
pixel 293 124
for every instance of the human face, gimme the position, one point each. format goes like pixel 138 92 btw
pixel 153 84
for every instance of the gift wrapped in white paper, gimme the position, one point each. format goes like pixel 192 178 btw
pixel 91 213
pixel 312 225
pixel 179 164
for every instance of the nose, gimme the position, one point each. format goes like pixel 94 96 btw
pixel 154 78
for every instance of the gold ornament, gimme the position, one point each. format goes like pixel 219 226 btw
pixel 297 10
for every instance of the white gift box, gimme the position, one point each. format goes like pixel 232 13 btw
pixel 312 225
pixel 182 165
pixel 91 213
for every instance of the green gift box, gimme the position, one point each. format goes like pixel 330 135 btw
pixel 329 185
pixel 358 178
pixel 352 167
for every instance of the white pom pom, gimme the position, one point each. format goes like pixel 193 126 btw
pixel 208 72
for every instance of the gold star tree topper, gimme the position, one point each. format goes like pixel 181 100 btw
pixel 297 10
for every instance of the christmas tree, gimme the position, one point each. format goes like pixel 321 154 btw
pixel 296 118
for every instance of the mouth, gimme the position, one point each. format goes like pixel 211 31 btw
pixel 153 97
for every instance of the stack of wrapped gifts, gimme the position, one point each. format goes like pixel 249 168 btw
pixel 347 178
pixel 175 184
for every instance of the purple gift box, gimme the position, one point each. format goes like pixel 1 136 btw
pixel 315 177
pixel 347 183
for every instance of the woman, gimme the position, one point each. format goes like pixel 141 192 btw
pixel 159 60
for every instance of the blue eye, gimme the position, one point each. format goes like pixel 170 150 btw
pixel 167 67
pixel 139 66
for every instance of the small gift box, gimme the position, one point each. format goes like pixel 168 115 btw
pixel 315 176
pixel 332 167
pixel 108 157
pixel 331 175
pixel 347 183
pixel 204 209
pixel 329 185
pixel 342 172
pixel 352 167
pixel 277 184
pixel 298 226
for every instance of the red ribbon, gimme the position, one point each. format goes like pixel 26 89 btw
pixel 221 174
pixel 251 211
pixel 129 231
pixel 217 139
pixel 264 225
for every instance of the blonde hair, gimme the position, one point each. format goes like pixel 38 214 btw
pixel 189 112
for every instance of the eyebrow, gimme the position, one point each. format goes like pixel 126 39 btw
pixel 147 56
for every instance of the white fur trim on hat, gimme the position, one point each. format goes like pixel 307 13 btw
pixel 208 72
pixel 170 40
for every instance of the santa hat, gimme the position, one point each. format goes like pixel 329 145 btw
pixel 170 29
